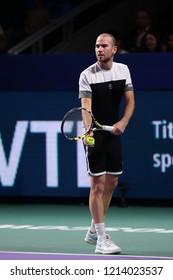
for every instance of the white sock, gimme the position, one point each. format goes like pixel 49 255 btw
pixel 101 231
pixel 92 227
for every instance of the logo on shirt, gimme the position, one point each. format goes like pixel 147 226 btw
pixel 110 86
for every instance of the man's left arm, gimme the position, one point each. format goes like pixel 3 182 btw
pixel 129 107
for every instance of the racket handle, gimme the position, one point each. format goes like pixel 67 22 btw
pixel 108 128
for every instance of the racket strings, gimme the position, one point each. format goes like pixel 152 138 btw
pixel 86 120
pixel 77 123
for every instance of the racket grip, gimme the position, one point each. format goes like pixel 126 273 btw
pixel 108 128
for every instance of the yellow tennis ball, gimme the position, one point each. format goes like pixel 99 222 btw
pixel 90 141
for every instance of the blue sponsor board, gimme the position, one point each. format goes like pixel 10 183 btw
pixel 36 160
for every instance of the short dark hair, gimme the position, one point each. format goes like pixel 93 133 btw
pixel 111 36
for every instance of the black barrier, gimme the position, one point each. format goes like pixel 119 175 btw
pixel 61 72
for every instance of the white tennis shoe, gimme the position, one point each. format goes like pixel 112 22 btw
pixel 107 246
pixel 91 237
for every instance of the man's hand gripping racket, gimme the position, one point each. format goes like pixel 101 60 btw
pixel 80 123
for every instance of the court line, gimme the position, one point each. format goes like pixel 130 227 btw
pixel 82 228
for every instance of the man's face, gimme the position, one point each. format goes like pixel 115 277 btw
pixel 104 49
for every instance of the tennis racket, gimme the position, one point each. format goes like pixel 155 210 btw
pixel 78 122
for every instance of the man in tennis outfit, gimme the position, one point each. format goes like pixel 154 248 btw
pixel 101 89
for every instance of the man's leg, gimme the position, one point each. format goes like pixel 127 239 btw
pixel 96 198
pixel 96 208
pixel 111 183
pixel 99 201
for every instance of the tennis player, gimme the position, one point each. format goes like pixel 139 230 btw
pixel 101 88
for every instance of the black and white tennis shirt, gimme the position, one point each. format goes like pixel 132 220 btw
pixel 106 88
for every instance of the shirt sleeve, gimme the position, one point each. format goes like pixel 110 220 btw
pixel 84 87
pixel 128 85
